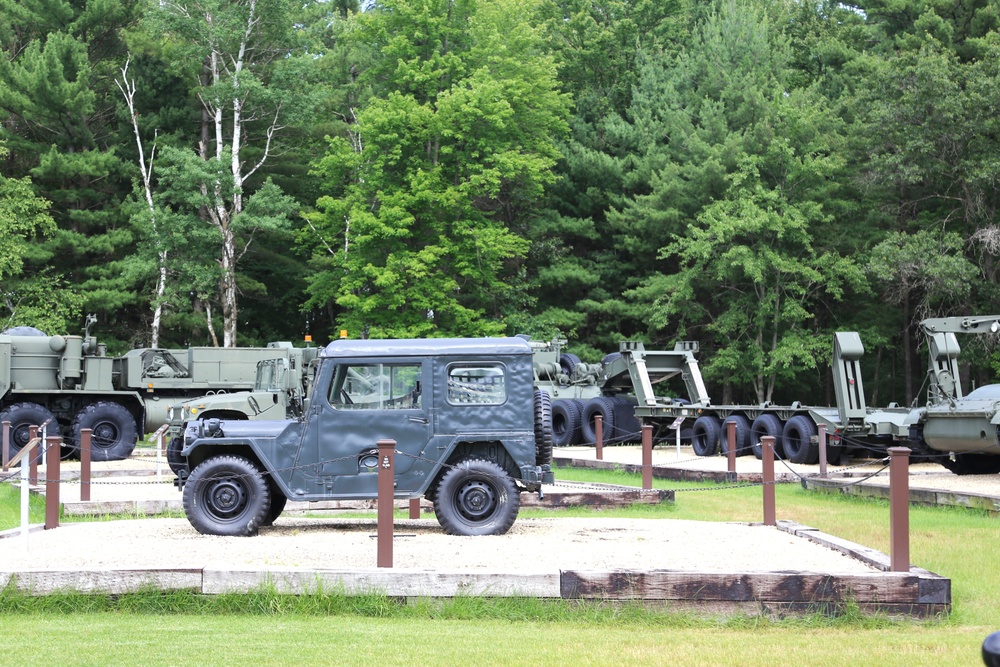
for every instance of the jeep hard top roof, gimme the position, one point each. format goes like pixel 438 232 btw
pixel 422 347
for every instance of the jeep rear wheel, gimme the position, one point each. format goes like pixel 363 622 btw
pixel 476 497
pixel 227 495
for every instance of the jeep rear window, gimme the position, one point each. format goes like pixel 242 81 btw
pixel 376 387
pixel 477 384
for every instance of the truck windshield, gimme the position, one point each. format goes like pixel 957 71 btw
pixel 270 375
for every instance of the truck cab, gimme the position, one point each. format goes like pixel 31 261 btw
pixel 471 434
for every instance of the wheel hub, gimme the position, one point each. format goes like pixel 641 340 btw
pixel 226 497
pixel 476 499
pixel 105 434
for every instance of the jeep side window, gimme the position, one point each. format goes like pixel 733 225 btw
pixel 376 387
pixel 478 384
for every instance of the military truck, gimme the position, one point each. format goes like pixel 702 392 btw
pixel 279 392
pixel 69 383
pixel 961 431
pixel 472 433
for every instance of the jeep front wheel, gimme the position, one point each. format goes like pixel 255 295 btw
pixel 476 497
pixel 226 495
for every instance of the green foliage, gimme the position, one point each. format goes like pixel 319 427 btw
pixel 446 161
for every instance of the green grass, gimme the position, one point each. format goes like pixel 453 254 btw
pixel 154 628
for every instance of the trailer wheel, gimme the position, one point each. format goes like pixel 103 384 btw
pixel 178 464
pixel 742 435
pixel 603 406
pixel 543 428
pixel 567 416
pixel 22 416
pixel 797 440
pixel 476 497
pixel 627 425
pixel 227 495
pixel 705 435
pixel 113 427
pixel 766 424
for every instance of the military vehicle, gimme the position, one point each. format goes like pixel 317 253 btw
pixel 960 431
pixel 69 383
pixel 279 392
pixel 472 433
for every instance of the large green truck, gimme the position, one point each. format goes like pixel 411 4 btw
pixel 69 383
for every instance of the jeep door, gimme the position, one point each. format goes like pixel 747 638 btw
pixel 368 401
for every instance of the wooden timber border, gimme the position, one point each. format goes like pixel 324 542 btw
pixel 852 486
pixel 916 593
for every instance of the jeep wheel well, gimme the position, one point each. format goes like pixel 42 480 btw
pixel 200 454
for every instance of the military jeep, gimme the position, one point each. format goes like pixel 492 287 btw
pixel 471 434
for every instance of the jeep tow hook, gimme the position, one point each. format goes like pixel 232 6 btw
pixel 541 494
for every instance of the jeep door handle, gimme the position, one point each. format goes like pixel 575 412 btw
pixel 419 420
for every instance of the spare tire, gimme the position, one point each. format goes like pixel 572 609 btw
pixel 567 417
pixel 568 363
pixel 543 428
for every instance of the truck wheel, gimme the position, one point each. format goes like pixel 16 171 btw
pixel 705 435
pixel 178 464
pixel 227 495
pixel 627 425
pixel 797 440
pixel 766 424
pixel 22 416
pixel 543 428
pixel 567 416
pixel 114 432
pixel 972 464
pixel 603 406
pixel 742 435
pixel 476 497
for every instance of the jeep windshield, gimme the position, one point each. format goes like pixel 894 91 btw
pixel 271 375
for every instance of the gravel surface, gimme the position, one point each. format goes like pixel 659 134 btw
pixel 531 545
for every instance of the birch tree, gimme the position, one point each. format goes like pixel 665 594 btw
pixel 233 45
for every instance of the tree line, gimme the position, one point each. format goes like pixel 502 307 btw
pixel 750 174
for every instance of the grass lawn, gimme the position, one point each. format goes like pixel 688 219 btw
pixel 268 629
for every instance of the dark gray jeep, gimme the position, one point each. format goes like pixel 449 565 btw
pixel 471 433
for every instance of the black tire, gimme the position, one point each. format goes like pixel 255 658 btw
pixel 543 428
pixel 178 464
pixel 766 424
pixel 277 506
pixel 797 440
pixel 742 435
pixel 972 464
pixel 628 427
pixel 113 427
pixel 568 363
pixel 605 407
pixel 705 435
pixel 567 417
pixel 22 416
pixel 227 495
pixel 476 497
pixel 608 358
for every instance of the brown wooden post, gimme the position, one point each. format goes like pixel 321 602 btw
pixel 6 445
pixel 386 503
pixel 53 443
pixel 899 508
pixel 822 449
pixel 85 440
pixel 731 451
pixel 414 508
pixel 599 439
pixel 647 456
pixel 33 458
pixel 767 442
